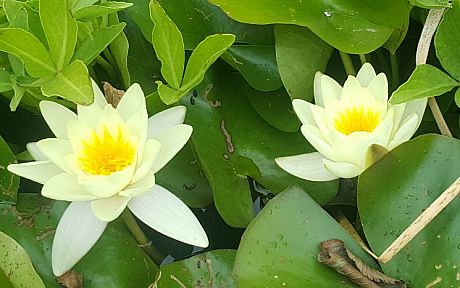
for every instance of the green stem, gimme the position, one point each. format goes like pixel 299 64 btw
pixel 363 59
pixel 347 63
pixel 107 66
pixel 92 74
pixel 140 237
pixel 394 71
pixel 110 57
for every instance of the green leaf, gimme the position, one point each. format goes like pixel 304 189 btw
pixel 351 26
pixel 213 267
pixel 5 81
pixel 16 264
pixel 115 260
pixel 300 54
pixel 420 170
pixel 432 4
pixel 169 46
pixel 18 93
pixel 446 35
pixel 457 97
pixel 60 30
pixel 9 182
pixel 204 55
pixel 16 14
pixel 94 44
pixel 280 247
pixel 232 141
pixel 425 81
pixel 34 55
pixel 93 11
pixel 72 83
pixel 120 49
pixel 257 64
pixel 79 4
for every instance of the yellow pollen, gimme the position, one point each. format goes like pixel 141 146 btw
pixel 353 119
pixel 105 154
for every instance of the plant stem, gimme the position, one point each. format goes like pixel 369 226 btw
pixel 347 63
pixel 107 66
pixel 363 59
pixel 394 71
pixel 140 237
pixel 440 121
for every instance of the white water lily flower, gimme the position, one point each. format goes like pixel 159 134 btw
pixel 346 121
pixel 104 160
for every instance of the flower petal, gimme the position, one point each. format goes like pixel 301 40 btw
pixel 306 166
pixel 314 137
pixel 35 152
pixel 330 90
pixel 77 232
pixel 37 171
pixel 165 119
pixel 56 116
pixel 140 187
pixel 89 115
pixel 343 169
pixel 132 102
pixel 102 186
pixel 172 140
pixel 351 89
pixel 151 151
pixel 56 150
pixel 418 107
pixel 405 132
pixel 379 88
pixel 108 209
pixel 303 110
pixel 365 74
pixel 138 126
pixel 99 98
pixel 164 212
pixel 65 187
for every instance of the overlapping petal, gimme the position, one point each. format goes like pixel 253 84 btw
pixel 306 166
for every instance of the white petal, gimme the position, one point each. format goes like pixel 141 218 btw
pixel 89 115
pixel 417 107
pixel 35 152
pixel 303 110
pixel 405 132
pixel 108 209
pixel 103 186
pixel 167 214
pixel 314 137
pixel 330 90
pixel 37 171
pixel 172 140
pixel 152 149
pixel 77 231
pixel 99 98
pixel 379 88
pixel 306 166
pixel 138 126
pixel 165 119
pixel 140 187
pixel 65 187
pixel 56 116
pixel 318 93
pixel 366 74
pixel 132 102
pixel 343 169
pixel 351 89
pixel 56 150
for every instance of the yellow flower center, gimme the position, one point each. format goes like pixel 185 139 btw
pixel 353 119
pixel 104 153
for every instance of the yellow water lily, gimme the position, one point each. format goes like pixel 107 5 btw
pixel 104 159
pixel 346 121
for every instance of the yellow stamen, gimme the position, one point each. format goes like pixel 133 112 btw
pixel 105 154
pixel 353 119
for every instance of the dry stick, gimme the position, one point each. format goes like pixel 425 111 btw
pixel 423 47
pixel 432 21
pixel 422 221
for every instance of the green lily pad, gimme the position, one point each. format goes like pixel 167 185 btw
pixel 115 261
pixel 351 26
pixel 210 269
pixel 9 182
pixel 287 255
pixel 395 190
